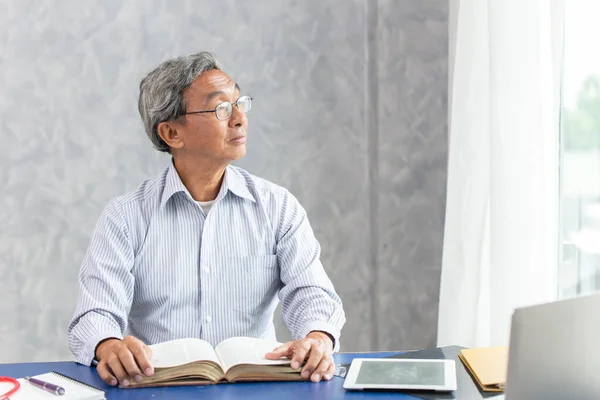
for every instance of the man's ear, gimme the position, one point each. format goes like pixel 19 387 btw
pixel 170 135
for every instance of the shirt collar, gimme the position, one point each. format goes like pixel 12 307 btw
pixel 173 185
pixel 236 184
pixel 232 182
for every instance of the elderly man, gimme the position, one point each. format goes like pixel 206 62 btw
pixel 204 249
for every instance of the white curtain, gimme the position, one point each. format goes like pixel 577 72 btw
pixel 501 231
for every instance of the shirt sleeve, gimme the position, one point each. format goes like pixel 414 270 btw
pixel 308 298
pixel 105 286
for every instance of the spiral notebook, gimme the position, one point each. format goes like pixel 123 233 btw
pixel 74 389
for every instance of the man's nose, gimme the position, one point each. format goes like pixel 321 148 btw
pixel 237 117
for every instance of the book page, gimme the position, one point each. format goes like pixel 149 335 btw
pixel 245 350
pixel 181 351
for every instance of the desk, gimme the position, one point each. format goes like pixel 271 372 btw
pixel 255 390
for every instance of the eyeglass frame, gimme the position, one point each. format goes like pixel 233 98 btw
pixel 217 106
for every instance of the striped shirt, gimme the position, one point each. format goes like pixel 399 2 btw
pixel 159 268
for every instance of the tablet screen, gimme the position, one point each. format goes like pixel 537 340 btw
pixel 405 373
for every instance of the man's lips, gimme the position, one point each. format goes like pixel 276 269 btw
pixel 239 139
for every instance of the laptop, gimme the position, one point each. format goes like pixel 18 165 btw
pixel 554 351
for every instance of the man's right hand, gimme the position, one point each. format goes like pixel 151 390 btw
pixel 123 360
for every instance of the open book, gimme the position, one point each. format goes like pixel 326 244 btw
pixel 195 362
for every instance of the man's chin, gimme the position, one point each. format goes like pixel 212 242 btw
pixel 238 153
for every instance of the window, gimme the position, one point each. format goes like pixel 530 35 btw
pixel 580 152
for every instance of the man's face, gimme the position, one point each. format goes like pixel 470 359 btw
pixel 205 136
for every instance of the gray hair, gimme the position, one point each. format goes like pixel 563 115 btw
pixel 161 91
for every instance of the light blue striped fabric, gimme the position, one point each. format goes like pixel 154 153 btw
pixel 158 268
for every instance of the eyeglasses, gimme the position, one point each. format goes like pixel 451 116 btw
pixel 223 110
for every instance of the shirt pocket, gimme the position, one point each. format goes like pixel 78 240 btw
pixel 254 283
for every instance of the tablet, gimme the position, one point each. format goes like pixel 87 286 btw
pixel 405 374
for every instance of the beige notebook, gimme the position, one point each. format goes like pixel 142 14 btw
pixel 487 365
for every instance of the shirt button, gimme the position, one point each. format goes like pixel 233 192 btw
pixel 206 270
pixel 208 319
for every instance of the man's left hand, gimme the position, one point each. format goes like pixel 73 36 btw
pixel 317 347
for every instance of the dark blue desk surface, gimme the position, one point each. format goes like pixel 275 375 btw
pixel 255 390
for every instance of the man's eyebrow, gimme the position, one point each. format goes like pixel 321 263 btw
pixel 218 93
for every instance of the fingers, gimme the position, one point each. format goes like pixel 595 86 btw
pixel 124 360
pixel 105 374
pixel 281 351
pixel 142 355
pixel 114 363
pixel 128 362
pixel 314 358
pixel 148 351
pixel 302 350
pixel 325 369
pixel 331 371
